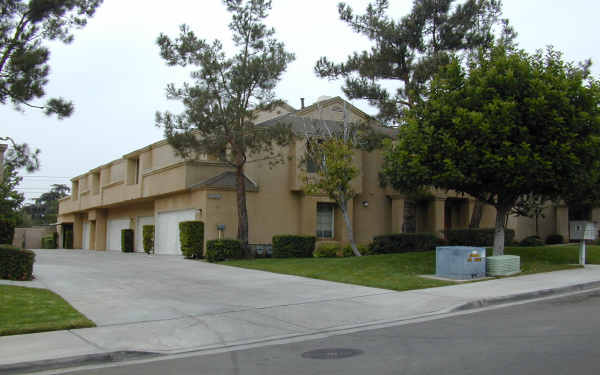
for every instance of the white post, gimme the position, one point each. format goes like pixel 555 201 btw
pixel 582 253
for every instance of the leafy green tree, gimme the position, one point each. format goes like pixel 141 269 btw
pixel 409 51
pixel 507 125
pixel 10 202
pixel 24 68
pixel 45 208
pixel 222 103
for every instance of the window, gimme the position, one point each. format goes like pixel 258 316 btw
pixel 325 220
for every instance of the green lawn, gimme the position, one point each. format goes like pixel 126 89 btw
pixel 401 271
pixel 29 310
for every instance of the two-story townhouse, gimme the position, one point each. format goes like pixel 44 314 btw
pixel 154 186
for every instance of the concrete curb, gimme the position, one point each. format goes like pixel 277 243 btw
pixel 486 302
pixel 66 362
pixel 122 356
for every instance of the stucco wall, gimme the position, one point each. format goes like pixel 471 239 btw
pixel 31 238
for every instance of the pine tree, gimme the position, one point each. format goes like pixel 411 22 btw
pixel 222 103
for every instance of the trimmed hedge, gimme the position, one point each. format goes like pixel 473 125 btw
pixel 191 237
pixel 16 264
pixel 50 241
pixel 127 240
pixel 476 236
pixel 531 241
pixel 333 249
pixel 347 251
pixel 148 238
pixel 404 243
pixel 219 250
pixel 327 250
pixel 7 231
pixel 555 239
pixel 293 246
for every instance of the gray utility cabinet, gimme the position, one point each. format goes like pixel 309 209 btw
pixel 460 262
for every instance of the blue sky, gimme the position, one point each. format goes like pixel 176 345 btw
pixel 116 78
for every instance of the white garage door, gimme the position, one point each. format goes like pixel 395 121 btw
pixel 86 236
pixel 139 232
pixel 113 233
pixel 166 235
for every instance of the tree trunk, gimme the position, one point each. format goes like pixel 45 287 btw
pixel 501 213
pixel 476 215
pixel 241 209
pixel 344 208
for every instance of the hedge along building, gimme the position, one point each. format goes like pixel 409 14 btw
pixel 154 186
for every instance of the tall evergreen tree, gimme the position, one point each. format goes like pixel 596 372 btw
pixel 24 68
pixel 410 50
pixel 10 202
pixel 45 208
pixel 222 103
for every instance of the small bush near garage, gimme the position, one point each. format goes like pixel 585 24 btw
pixel 49 242
pixel 404 242
pixel 220 250
pixel 555 239
pixel 127 240
pixel 476 236
pixel 327 250
pixel 531 241
pixel 191 237
pixel 148 238
pixel 16 264
pixel 293 246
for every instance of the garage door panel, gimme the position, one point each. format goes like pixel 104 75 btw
pixel 113 233
pixel 167 230
pixel 86 236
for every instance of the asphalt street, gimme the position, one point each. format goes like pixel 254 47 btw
pixel 557 336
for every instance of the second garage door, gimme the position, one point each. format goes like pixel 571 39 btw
pixel 167 230
pixel 113 233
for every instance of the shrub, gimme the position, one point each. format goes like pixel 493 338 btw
pixel 191 237
pixel 148 238
pixel 476 236
pixel 7 231
pixel 327 250
pixel 127 240
pixel 403 243
pixel 554 239
pixel 531 241
pixel 50 241
pixel 347 250
pixel 293 246
pixel 16 264
pixel 219 250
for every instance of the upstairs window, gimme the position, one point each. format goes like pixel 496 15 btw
pixel 325 220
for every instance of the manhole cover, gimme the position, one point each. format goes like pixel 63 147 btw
pixel 335 353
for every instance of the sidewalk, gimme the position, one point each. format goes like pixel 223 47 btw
pixel 264 324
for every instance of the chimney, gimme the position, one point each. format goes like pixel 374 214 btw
pixel 301 103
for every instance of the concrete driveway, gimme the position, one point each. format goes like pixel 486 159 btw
pixel 113 288
pixel 167 304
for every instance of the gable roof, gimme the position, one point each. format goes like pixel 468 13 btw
pixel 331 101
pixel 307 125
pixel 225 180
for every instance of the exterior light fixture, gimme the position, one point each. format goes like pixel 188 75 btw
pixel 365 203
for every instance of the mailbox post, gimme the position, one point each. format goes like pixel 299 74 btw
pixel 582 231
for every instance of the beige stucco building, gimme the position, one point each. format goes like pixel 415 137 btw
pixel 154 186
